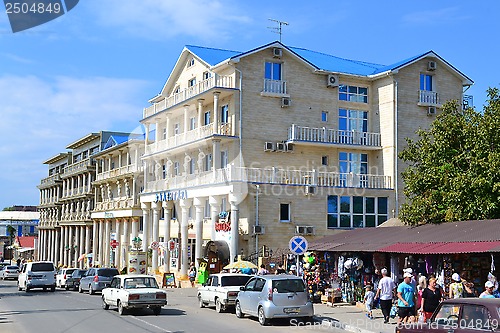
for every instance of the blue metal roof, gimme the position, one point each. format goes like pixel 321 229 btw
pixel 117 139
pixel 210 55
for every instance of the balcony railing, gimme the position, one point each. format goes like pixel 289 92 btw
pixel 77 191
pixel 325 135
pixel 273 176
pixel 49 181
pixel 127 169
pixel 78 167
pixel 190 136
pixel 120 203
pixel 428 97
pixel 201 87
pixel 274 87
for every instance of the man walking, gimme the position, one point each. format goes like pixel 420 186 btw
pixel 385 292
pixel 406 300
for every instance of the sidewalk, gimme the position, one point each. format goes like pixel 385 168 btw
pixel 352 319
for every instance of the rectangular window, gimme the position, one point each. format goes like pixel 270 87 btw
pixel 164 133
pixel 324 160
pixel 192 166
pixel 192 82
pixel 164 171
pixel 285 212
pixel 223 205
pixel 177 129
pixel 224 114
pixel 190 62
pixel 206 210
pixel 272 71
pixel 208 162
pixel 353 94
pixel 353 120
pixel 223 159
pixel 206 118
pixel 176 169
pixel 192 123
pixel 207 75
pixel 426 82
pixel 355 212
pixel 324 116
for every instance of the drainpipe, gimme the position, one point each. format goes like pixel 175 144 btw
pixel 240 122
pixel 257 218
pixel 396 191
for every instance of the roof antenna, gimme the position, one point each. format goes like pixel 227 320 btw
pixel 277 29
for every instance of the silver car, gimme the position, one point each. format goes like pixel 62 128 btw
pixel 274 296
pixel 96 279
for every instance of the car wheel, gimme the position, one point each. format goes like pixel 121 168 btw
pixel 105 305
pixel 27 289
pixel 66 287
pixel 238 311
pixel 262 317
pixel 200 302
pixel 44 289
pixel 121 309
pixel 157 310
pixel 53 288
pixel 80 290
pixel 91 290
pixel 218 305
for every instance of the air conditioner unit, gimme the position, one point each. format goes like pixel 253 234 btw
pixel 431 111
pixel 269 146
pixel 258 229
pixel 309 190
pixel 277 52
pixel 289 146
pixel 301 230
pixel 280 146
pixel 431 66
pixel 285 102
pixel 333 81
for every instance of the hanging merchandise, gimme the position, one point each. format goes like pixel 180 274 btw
pixel 394 268
pixel 492 268
pixel 341 266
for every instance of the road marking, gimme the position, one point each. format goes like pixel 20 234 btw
pixel 145 322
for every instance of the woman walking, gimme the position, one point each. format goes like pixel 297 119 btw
pixel 431 297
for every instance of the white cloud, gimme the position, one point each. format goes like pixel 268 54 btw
pixel 160 20
pixel 40 117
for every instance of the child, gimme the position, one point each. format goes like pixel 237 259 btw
pixel 369 296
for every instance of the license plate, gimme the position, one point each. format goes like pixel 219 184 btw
pixel 291 310
pixel 147 296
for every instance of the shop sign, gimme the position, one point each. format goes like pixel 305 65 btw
pixel 171 195
pixel 108 215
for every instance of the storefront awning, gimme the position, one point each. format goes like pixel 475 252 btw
pixel 25 249
pixel 442 247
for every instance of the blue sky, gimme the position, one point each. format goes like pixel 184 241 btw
pixel 95 67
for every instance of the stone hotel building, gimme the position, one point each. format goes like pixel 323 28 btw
pixel 245 149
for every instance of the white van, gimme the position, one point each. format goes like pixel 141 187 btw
pixel 37 274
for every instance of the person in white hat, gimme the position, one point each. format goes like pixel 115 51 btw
pixel 456 287
pixel 406 300
pixel 385 291
pixel 488 290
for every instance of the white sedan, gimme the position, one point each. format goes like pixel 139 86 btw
pixel 9 272
pixel 133 292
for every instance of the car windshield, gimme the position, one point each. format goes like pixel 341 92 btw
pixel 140 282
pixel 231 281
pixel 288 286
pixel 12 267
pixel 108 272
pixel 79 273
pixel 42 267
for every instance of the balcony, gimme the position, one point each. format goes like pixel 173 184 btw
pixel 274 88
pixel 120 203
pixel 79 167
pixel 274 176
pixel 124 170
pixel 428 98
pixel 213 82
pixel 224 129
pixel 346 139
pixel 50 181
pixel 77 191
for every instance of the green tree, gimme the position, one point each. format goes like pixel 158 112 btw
pixel 453 168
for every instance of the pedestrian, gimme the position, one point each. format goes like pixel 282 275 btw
pixel 280 270
pixel 385 293
pixel 431 297
pixel 488 290
pixel 458 289
pixel 262 270
pixel 422 284
pixel 18 261
pixel 293 270
pixel 406 300
pixel 192 274
pixel 369 297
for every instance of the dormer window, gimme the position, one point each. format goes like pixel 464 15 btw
pixel 192 82
pixel 190 62
pixel 207 75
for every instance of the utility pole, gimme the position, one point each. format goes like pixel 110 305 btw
pixel 277 29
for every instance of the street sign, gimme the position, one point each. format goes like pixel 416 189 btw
pixel 114 243
pixel 155 245
pixel 171 245
pixel 298 245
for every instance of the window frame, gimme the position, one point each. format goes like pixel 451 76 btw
pixel 324 116
pixel 339 210
pixel 288 212
pixel 426 79
pixel 355 94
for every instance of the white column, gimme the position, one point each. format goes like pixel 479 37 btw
pixel 77 244
pixel 62 245
pixel 235 216
pixel 70 244
pixel 135 228
pixel 57 247
pixel 146 136
pixel 167 212
pixel 81 246
pixel 87 241
pixel 186 120
pixel 106 242
pixel 101 236
pixel 155 234
pixel 200 112
pixel 95 241
pixel 215 202
pixel 216 113
pixel 118 249
pixel 184 204
pixel 145 225
pixel 199 205
pixel 125 240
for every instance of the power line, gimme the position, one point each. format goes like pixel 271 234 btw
pixel 278 29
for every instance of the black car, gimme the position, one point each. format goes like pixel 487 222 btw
pixel 73 281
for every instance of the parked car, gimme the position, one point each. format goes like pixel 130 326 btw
pixel 73 281
pixel 220 290
pixel 460 315
pixel 133 292
pixel 37 274
pixel 96 279
pixel 274 296
pixel 9 272
pixel 62 275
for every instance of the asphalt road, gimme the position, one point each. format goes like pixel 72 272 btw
pixel 68 311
